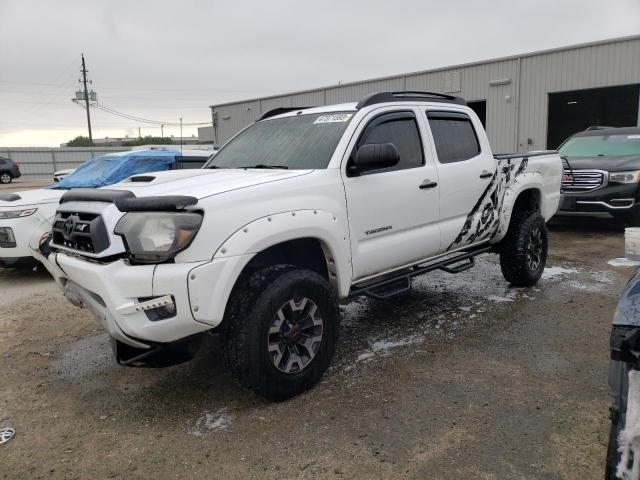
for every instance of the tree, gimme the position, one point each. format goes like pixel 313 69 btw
pixel 80 141
pixel 148 140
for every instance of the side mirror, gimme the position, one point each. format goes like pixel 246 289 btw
pixel 375 156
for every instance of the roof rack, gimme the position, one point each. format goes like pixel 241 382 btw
pixel 597 127
pixel 384 97
pixel 280 110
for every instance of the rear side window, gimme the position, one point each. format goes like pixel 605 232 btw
pixel 401 129
pixel 2 161
pixel 454 136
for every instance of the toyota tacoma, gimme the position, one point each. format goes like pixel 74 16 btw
pixel 303 209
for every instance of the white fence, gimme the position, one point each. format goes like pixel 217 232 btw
pixel 42 162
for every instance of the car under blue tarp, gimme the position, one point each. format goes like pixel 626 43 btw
pixel 114 167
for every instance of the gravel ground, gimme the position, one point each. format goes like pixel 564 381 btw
pixel 464 377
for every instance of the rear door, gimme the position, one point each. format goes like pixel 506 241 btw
pixel 393 217
pixel 466 169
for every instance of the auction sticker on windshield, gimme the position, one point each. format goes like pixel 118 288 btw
pixel 334 118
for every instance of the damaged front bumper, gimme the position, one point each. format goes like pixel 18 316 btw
pixel 129 300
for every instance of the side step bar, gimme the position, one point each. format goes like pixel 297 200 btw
pixel 402 281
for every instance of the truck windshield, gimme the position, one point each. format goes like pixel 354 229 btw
pixel 602 146
pixel 299 142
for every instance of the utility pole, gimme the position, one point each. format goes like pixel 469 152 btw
pixel 86 97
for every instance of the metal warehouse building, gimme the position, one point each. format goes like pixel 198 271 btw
pixel 531 101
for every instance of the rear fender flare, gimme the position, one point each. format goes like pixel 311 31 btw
pixel 526 181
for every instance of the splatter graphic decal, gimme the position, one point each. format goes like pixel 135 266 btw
pixel 484 219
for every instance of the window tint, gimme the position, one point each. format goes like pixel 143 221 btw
pixel 454 136
pixel 401 129
pixel 2 161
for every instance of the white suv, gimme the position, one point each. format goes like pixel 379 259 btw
pixel 302 209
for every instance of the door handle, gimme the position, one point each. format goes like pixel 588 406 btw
pixel 427 184
pixel 486 174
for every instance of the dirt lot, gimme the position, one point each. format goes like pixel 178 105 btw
pixel 463 378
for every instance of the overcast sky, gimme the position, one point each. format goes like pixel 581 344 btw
pixel 162 60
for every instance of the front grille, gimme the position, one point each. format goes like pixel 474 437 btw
pixel 583 180
pixel 83 232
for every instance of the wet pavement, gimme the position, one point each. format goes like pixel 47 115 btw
pixel 464 377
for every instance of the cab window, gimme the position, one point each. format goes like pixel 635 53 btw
pixel 454 136
pixel 399 128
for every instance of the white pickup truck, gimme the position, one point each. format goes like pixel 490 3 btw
pixel 302 209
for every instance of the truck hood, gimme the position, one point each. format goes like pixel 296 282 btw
pixel 608 164
pixel 30 197
pixel 202 183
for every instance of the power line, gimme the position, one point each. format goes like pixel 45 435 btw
pixel 135 118
pixel 145 89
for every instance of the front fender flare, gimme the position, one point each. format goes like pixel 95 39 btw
pixel 271 230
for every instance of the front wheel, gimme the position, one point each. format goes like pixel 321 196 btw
pixel 523 251
pixel 5 178
pixel 281 330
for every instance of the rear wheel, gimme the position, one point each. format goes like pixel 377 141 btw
pixel 5 178
pixel 281 328
pixel 523 251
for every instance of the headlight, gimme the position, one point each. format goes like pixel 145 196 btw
pixel 18 213
pixel 625 177
pixel 153 237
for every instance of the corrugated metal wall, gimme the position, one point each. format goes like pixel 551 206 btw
pixel 571 69
pixel 516 107
pixel 42 162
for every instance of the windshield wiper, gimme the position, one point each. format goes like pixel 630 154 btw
pixel 262 165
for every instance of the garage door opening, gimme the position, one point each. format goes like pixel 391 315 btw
pixel 480 109
pixel 571 112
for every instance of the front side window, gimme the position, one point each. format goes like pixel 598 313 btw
pixel 298 142
pixel 454 136
pixel 401 129
pixel 602 146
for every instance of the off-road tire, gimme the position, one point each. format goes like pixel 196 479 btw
pixel 5 178
pixel 515 248
pixel 252 308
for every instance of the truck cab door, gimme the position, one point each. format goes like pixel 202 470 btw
pixel 467 171
pixel 393 212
